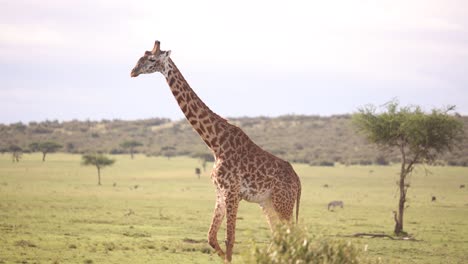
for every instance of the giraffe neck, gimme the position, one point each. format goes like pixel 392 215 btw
pixel 205 122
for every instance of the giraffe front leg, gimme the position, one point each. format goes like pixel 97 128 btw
pixel 218 216
pixel 232 204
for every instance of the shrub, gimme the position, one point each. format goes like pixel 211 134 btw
pixel 365 162
pixel 327 163
pixel 381 160
pixel 116 151
pixel 324 163
pixel 462 163
pixel 295 245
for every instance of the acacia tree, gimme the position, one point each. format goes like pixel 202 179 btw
pixel 168 151
pixel 204 158
pixel 131 145
pixel 45 147
pixel 16 152
pixel 98 160
pixel 34 147
pixel 418 136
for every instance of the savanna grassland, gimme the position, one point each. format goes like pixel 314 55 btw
pixel 156 210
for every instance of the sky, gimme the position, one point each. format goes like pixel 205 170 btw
pixel 65 60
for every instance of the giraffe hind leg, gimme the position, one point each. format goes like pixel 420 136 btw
pixel 270 213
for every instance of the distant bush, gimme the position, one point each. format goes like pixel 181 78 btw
pixel 42 130
pixel 19 127
pixel 327 163
pixel 70 147
pixel 115 151
pixel 365 162
pixel 295 245
pixel 462 163
pixel 439 163
pixel 381 160
pixel 300 160
pixel 206 156
pixel 324 163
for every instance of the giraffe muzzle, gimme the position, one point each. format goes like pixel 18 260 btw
pixel 134 73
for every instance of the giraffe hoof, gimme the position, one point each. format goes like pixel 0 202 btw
pixel 221 254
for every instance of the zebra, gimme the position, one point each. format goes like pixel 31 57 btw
pixel 333 204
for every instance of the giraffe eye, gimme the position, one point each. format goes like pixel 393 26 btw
pixel 152 60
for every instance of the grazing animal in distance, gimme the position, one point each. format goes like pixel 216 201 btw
pixel 333 204
pixel 433 198
pixel 242 170
pixel 462 186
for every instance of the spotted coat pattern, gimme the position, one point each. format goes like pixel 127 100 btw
pixel 242 170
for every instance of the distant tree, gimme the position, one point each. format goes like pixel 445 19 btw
pixel 45 147
pixel 16 152
pixel 418 136
pixel 98 160
pixel 168 151
pixel 70 147
pixel 204 164
pixel 204 158
pixel 34 147
pixel 19 127
pixel 131 145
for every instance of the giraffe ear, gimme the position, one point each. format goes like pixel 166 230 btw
pixel 156 48
pixel 168 53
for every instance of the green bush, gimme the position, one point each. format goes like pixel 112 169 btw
pixel 295 246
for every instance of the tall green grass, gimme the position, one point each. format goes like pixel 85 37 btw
pixel 155 210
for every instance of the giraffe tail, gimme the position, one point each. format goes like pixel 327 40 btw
pixel 298 199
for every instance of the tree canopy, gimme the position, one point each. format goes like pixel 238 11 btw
pixel 131 145
pixel 421 136
pixel 45 147
pixel 97 160
pixel 16 152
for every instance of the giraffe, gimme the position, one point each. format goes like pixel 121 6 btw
pixel 242 170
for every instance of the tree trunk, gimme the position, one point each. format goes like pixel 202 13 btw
pixel 43 156
pixel 99 175
pixel 401 207
pixel 401 203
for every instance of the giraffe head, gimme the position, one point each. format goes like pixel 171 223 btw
pixel 152 61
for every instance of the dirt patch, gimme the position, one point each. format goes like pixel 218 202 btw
pixel 194 241
pixel 129 234
pixel 25 243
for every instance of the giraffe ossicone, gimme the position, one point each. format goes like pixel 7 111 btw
pixel 242 170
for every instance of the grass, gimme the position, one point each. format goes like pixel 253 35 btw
pixel 155 210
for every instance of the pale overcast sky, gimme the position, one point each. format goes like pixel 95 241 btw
pixel 72 59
